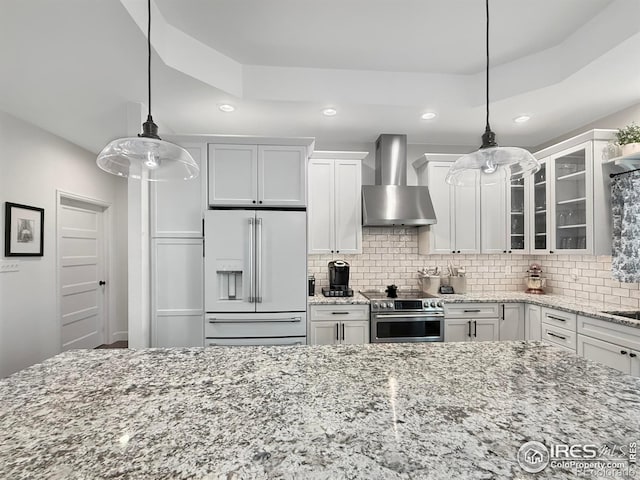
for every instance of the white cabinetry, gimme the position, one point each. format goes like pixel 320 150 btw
pixel 339 324
pixel 617 346
pixel 570 197
pixel 559 328
pixel 471 322
pixel 457 210
pixel 533 322
pixel 335 212
pixel 257 175
pixel 176 207
pixel 512 321
pixel 504 217
pixel 177 294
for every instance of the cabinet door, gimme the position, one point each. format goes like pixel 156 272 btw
pixel 282 176
pixel 518 217
pixel 348 209
pixel 604 352
pixel 355 333
pixel 324 333
pixel 321 206
pixel 440 235
pixel 493 218
pixel 233 173
pixel 485 329
pixel 457 330
pixel 467 218
pixel 572 193
pixel 177 293
pixel 539 194
pixel 512 322
pixel 635 362
pixel 533 322
pixel 176 207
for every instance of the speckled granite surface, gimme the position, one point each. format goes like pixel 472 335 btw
pixel 560 302
pixel 357 299
pixel 397 411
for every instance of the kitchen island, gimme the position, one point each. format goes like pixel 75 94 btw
pixel 383 411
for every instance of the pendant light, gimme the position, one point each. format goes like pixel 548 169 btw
pixel 491 164
pixel 147 156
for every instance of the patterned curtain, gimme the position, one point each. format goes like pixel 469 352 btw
pixel 625 209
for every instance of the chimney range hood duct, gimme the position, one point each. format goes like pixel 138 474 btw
pixel 391 201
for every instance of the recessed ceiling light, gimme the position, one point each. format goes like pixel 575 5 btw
pixel 428 116
pixel 329 112
pixel 522 119
pixel 225 107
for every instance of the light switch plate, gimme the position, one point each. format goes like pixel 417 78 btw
pixel 7 266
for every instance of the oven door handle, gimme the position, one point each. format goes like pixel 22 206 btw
pixel 379 316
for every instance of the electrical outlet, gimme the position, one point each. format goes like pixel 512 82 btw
pixel 7 266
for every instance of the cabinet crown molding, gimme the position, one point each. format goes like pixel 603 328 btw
pixel 338 155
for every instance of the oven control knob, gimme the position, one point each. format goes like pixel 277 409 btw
pixel 433 305
pixel 440 304
pixel 374 305
pixel 389 305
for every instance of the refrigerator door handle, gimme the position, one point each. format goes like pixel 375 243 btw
pixel 258 298
pixel 252 245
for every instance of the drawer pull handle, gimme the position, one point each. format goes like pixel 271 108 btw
pixel 557 318
pixel 274 320
pixel 623 352
pixel 477 310
pixel 557 336
pixel 633 355
pixel 339 313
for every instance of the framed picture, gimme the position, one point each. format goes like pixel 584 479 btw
pixel 23 231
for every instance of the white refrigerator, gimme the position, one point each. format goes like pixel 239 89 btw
pixel 255 277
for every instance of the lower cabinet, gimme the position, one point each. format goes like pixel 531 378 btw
pixel 533 322
pixel 559 328
pixel 612 355
pixel 338 324
pixel 471 330
pixel 512 321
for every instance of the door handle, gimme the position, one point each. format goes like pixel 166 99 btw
pixel 337 332
pixel 343 332
pixel 252 246
pixel 259 260
pixel 469 323
pixel 475 328
pixel 102 282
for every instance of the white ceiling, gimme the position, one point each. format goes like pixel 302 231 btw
pixel 71 67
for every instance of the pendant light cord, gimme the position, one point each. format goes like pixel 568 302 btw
pixel 488 128
pixel 149 55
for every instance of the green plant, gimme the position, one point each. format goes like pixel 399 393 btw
pixel 629 134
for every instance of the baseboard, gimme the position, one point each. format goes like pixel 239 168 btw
pixel 119 336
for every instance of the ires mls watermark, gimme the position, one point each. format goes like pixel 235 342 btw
pixel 584 460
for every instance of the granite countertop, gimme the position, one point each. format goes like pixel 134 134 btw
pixel 560 302
pixel 392 411
pixel 357 299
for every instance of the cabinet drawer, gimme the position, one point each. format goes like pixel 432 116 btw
pixel 339 312
pixel 559 336
pixel 471 310
pixel 559 318
pixel 246 325
pixel 609 332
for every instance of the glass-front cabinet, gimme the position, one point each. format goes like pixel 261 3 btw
pixel 540 220
pixel 562 197
pixel 572 200
pixel 516 223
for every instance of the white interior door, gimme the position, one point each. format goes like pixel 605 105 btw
pixel 81 268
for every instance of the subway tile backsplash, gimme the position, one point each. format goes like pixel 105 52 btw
pixel 390 255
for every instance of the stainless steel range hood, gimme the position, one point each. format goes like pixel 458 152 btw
pixel 391 201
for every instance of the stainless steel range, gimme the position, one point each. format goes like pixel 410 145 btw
pixel 410 317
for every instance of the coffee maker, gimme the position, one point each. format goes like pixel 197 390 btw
pixel 338 280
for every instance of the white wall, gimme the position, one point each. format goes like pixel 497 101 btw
pixel 33 165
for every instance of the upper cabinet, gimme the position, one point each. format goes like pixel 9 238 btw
pixel 570 196
pixel 335 202
pixel 176 207
pixel 257 175
pixel 457 213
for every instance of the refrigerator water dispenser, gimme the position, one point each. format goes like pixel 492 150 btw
pixel 229 282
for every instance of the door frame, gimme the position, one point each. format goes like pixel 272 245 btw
pixel 107 254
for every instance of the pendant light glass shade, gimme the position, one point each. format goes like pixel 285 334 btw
pixel 491 164
pixel 147 156
pixel 148 159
